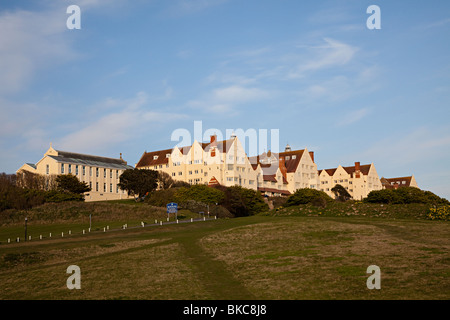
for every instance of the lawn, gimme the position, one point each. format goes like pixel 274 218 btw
pixel 259 257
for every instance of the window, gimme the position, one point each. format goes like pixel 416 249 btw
pixel 117 174
pixel 110 187
pixel 294 157
pixel 104 174
pixel 96 173
pixel 230 167
pixel 173 174
pixel 196 171
pixel 167 155
pixel 180 173
pixel 84 170
pixel 90 171
pixel 104 187
pixel 190 172
pixel 229 179
pixel 96 186
pixel 155 157
pixel 251 182
pixel 117 189
pixel 110 174
pixel 160 166
pixel 70 168
pixel 90 184
pixel 47 169
pixel 76 170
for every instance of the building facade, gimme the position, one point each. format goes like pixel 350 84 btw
pixel 358 180
pixel 100 173
pixel 226 163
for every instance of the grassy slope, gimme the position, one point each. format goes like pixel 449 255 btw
pixel 260 257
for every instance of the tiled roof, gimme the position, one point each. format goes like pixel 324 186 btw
pixel 90 160
pixel 363 168
pixel 389 183
pixel 148 158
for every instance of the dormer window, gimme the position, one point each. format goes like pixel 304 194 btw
pixel 294 157
pixel 288 157
pixel 167 155
pixel 155 157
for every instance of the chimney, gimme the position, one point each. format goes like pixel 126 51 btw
pixel 282 167
pixel 288 148
pixel 357 170
pixel 311 153
pixel 213 138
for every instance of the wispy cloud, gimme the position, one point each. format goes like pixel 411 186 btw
pixel 30 41
pixel 353 117
pixel 227 99
pixel 134 118
pixel 331 54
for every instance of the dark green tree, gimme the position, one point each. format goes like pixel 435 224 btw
pixel 70 183
pixel 340 193
pixel 138 182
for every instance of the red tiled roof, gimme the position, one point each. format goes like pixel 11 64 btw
pixel 363 168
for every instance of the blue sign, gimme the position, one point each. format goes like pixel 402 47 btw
pixel 172 207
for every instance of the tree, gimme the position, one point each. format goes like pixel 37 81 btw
pixel 70 183
pixel 165 181
pixel 138 182
pixel 341 193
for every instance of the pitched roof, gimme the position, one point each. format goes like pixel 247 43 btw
pixel 148 158
pixel 364 169
pixel 90 160
pixel 389 183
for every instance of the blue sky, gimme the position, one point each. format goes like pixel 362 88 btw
pixel 138 70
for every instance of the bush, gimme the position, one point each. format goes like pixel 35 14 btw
pixel 404 195
pixel 242 202
pixel 439 213
pixel 160 198
pixel 199 193
pixel 309 196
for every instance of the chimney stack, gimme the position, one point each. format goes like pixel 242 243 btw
pixel 357 170
pixel 311 153
pixel 282 167
pixel 213 138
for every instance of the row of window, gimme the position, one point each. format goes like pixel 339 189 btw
pixel 104 187
pixel 77 168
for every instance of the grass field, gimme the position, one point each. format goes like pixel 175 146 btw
pixel 259 257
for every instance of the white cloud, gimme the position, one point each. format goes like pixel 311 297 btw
pixel 226 99
pixel 331 54
pixel 133 118
pixel 353 116
pixel 30 41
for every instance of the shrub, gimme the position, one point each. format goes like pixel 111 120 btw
pixel 439 213
pixel 199 193
pixel 404 195
pixel 308 196
pixel 242 201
